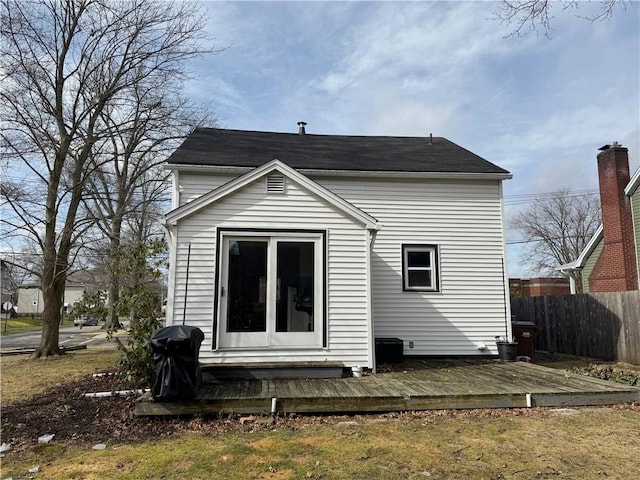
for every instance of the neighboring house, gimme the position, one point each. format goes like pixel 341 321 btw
pixel 610 261
pixel 73 293
pixel 632 191
pixel 539 287
pixel 30 301
pixel 305 248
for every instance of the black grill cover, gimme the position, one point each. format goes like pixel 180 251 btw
pixel 176 372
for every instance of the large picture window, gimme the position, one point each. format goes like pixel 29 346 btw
pixel 420 268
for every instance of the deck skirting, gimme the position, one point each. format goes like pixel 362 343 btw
pixel 429 385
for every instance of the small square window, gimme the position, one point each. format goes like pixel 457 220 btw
pixel 420 268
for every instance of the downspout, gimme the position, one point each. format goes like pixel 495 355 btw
pixel 372 342
pixel 175 193
pixel 172 241
pixel 569 271
pixel 505 277
pixel 570 274
pixel 507 301
pixel 635 222
pixel 171 234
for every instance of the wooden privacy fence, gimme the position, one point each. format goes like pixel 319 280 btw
pixel 598 325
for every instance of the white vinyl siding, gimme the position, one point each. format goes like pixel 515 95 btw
pixel 348 335
pixel 192 185
pixel 464 218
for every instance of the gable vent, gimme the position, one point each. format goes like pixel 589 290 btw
pixel 275 184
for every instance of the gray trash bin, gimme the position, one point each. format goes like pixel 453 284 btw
pixel 507 351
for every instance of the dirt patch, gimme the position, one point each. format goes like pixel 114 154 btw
pixel 618 372
pixel 76 419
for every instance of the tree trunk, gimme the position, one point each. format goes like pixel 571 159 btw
pixel 112 322
pixel 53 295
pixel 578 279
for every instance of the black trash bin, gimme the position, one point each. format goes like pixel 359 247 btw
pixel 525 334
pixel 176 372
pixel 389 350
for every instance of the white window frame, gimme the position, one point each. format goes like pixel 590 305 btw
pixel 434 267
pixel 270 338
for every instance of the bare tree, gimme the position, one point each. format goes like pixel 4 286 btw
pixel 529 16
pixel 14 274
pixel 63 64
pixel 128 185
pixel 556 228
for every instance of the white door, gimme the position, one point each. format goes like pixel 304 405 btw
pixel 271 290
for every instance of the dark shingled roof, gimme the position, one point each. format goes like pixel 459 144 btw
pixel 239 148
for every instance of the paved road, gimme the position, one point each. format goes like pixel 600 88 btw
pixel 69 336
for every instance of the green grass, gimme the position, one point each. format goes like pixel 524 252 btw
pixel 27 324
pixel 578 443
pixel 588 444
pixel 20 325
pixel 23 376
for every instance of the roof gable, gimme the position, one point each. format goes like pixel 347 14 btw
pixel 275 165
pixel 239 148
pixel 591 245
pixel 598 236
pixel 633 184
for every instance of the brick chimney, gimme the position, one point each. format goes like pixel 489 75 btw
pixel 615 270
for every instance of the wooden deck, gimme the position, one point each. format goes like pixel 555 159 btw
pixel 447 384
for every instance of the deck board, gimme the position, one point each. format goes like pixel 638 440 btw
pixel 429 384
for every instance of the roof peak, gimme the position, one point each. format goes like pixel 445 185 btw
pixel 295 134
pixel 248 148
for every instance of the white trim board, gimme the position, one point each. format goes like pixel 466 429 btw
pixel 275 165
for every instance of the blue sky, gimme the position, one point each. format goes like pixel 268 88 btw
pixel 538 107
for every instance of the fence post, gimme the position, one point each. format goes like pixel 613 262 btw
pixel 551 343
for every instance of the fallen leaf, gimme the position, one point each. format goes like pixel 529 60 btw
pixel 244 420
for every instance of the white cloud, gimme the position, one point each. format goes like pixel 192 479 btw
pixel 537 107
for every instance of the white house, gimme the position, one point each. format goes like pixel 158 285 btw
pixel 31 301
pixel 306 248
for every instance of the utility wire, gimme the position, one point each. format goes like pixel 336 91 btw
pixel 525 198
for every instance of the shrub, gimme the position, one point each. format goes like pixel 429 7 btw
pixel 140 302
